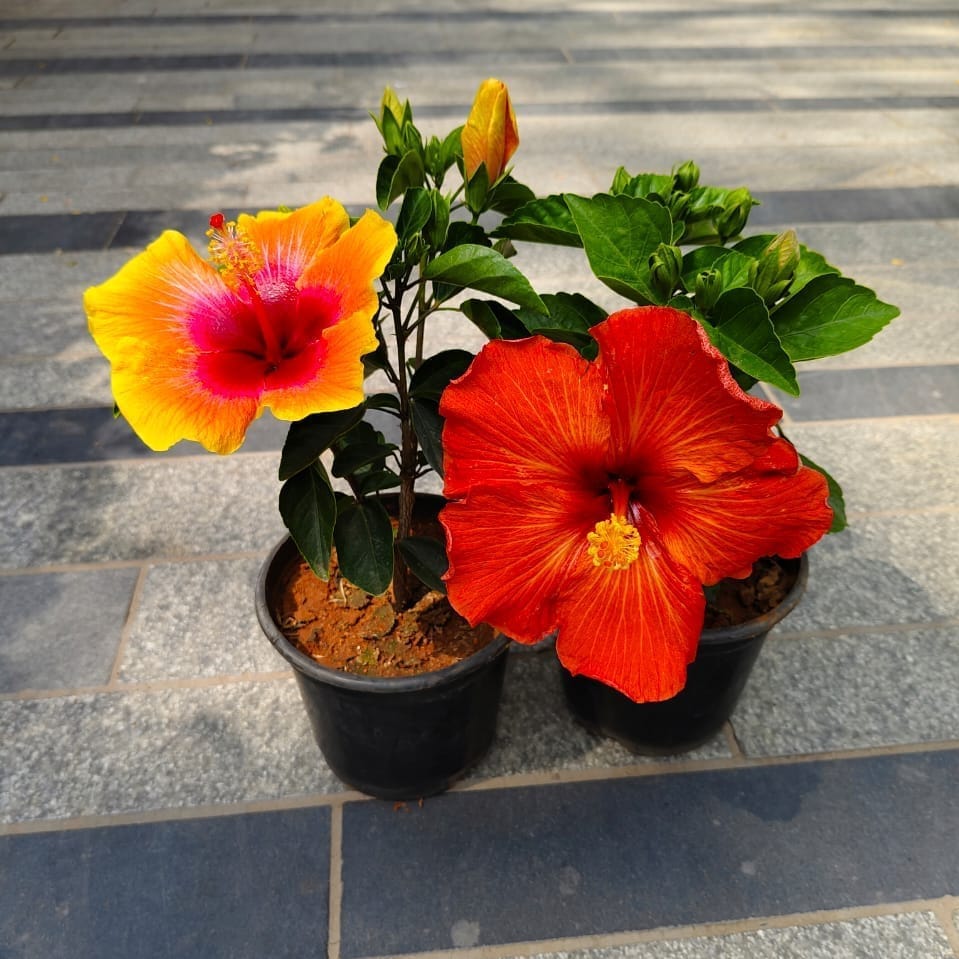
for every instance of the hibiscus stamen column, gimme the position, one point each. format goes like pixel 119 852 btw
pixel 614 542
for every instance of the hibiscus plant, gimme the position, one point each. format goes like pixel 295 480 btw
pixel 599 470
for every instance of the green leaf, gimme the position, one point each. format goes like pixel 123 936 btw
pixel 426 558
pixel 740 328
pixel 435 373
pixel 830 315
pixel 364 545
pixel 619 234
pixel 355 456
pixel 308 509
pixel 835 499
pixel 811 265
pixel 546 220
pixel 656 186
pixel 428 425
pixel 495 320
pixel 306 439
pixel 397 174
pixel 374 481
pixel 572 310
pixel 414 213
pixel 735 270
pixel 383 401
pixel 477 189
pixel 509 195
pixel 482 268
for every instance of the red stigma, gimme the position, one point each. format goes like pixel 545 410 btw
pixel 217 221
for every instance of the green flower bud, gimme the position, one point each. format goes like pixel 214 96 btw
pixel 735 213
pixel 707 289
pixel 666 266
pixel 776 266
pixel 686 176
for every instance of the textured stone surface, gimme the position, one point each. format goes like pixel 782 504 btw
pixel 161 508
pixel 903 936
pixel 62 629
pixel 849 692
pixel 197 619
pixel 156 749
pixel 882 570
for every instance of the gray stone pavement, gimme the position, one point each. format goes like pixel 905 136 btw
pixel 138 698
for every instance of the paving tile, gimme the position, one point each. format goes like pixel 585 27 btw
pixel 193 889
pixel 536 732
pixel 91 434
pixel 886 464
pixel 169 507
pixel 35 330
pixel 197 619
pixel 62 629
pixel 882 570
pixel 43 383
pixel 892 391
pixel 57 231
pixel 902 936
pixel 590 858
pixel 58 279
pixel 143 750
pixel 813 695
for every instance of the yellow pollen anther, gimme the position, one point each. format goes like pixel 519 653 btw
pixel 232 252
pixel 614 543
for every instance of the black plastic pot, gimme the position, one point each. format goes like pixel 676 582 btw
pixel 715 681
pixel 399 738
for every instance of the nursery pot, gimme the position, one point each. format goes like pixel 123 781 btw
pixel 395 738
pixel 715 680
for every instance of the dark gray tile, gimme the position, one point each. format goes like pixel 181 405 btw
pixel 856 205
pixel 44 233
pixel 593 858
pixel 867 393
pixel 238 887
pixel 62 629
pixel 33 437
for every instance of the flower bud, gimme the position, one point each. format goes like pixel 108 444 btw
pixel 735 213
pixel 490 136
pixel 391 104
pixel 666 266
pixel 686 176
pixel 776 266
pixel 707 289
pixel 393 118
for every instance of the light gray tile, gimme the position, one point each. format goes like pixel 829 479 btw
pixel 882 570
pixel 903 936
pixel 35 329
pixel 197 619
pixel 536 732
pixel 847 692
pixel 136 751
pixel 887 464
pixel 62 629
pixel 41 383
pixel 152 509
pixel 60 277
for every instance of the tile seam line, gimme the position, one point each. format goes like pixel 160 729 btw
pixel 663 934
pixel 173 559
pixel 946 911
pixel 335 909
pixel 519 781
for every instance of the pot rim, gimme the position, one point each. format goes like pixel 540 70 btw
pixel 763 624
pixel 334 677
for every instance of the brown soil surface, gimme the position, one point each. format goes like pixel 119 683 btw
pixel 734 601
pixel 342 627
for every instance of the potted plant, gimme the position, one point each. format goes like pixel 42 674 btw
pixel 640 487
pixel 580 452
pixel 292 312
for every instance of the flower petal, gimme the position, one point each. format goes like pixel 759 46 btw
pixel 142 319
pixel 634 629
pixel 720 529
pixel 672 401
pixel 510 547
pixel 525 412
pixel 289 241
pixel 339 284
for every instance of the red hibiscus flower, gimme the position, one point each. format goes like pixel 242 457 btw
pixel 597 498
